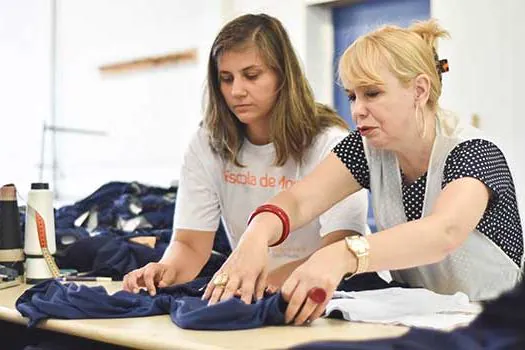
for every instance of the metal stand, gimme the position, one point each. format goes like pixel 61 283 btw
pixel 54 167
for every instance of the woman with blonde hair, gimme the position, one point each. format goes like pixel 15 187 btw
pixel 443 195
pixel 262 132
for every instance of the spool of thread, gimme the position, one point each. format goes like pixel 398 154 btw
pixel 39 199
pixel 11 247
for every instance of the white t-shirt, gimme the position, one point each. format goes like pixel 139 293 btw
pixel 211 188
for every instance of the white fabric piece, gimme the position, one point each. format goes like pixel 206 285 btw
pixel 385 275
pixel 211 189
pixel 478 267
pixel 413 307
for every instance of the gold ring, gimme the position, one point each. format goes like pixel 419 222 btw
pixel 220 280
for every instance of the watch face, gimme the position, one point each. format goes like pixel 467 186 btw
pixel 359 246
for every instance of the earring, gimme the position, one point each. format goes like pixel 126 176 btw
pixel 420 120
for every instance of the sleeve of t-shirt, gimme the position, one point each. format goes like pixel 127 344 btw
pixel 351 212
pixel 482 160
pixel 352 153
pixel 197 206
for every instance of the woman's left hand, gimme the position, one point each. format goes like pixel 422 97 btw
pixel 324 269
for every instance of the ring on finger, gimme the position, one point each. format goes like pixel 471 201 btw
pixel 317 295
pixel 221 279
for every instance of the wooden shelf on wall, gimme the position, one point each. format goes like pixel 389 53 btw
pixel 150 62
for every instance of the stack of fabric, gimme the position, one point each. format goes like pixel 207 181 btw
pixel 120 227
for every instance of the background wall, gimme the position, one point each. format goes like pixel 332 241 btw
pixel 486 55
pixel 146 113
pixel 149 115
pixel 25 56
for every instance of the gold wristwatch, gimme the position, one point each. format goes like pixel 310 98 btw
pixel 359 246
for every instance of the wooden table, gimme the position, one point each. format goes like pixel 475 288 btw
pixel 159 332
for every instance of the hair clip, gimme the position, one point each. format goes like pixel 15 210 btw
pixel 442 66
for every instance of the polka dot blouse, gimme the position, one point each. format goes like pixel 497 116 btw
pixel 479 159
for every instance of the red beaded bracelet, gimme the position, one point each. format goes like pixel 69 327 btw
pixel 270 208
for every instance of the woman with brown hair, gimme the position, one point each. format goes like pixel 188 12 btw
pixel 262 132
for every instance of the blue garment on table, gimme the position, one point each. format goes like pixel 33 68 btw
pixel 116 256
pixel 120 256
pixel 52 299
pixel 426 339
pixel 18 337
pixel 366 281
pixel 81 254
pixel 114 202
pixel 109 200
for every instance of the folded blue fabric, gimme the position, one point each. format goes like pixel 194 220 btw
pixel 52 299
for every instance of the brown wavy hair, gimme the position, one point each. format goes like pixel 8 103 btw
pixel 296 117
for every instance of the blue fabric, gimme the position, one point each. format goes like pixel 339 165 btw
pixel 81 255
pixel 500 326
pixel 423 339
pixel 115 256
pixel 112 203
pixel 110 199
pixel 120 256
pixel 52 299
pixel 18 337
pixel 367 281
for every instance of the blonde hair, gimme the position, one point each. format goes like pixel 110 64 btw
pixel 406 52
pixel 296 117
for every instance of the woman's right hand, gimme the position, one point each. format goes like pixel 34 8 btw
pixel 244 273
pixel 151 276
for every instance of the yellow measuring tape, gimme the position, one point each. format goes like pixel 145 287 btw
pixel 42 238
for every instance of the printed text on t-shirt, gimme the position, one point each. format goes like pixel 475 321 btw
pixel 248 179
